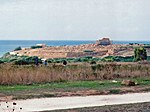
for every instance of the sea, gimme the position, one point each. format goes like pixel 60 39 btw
pixel 10 45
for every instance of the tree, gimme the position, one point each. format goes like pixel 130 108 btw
pixel 64 62
pixel 140 54
pixel 17 49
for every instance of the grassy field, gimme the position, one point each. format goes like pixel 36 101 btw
pixel 56 80
pixel 73 88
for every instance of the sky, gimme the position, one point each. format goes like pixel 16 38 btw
pixel 74 19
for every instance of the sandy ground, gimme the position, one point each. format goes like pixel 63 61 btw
pixel 43 104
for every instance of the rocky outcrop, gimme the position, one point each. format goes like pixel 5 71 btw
pixel 128 83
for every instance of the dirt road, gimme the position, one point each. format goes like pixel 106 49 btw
pixel 74 102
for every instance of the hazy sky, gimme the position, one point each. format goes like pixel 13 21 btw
pixel 75 19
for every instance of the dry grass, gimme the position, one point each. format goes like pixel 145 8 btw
pixel 12 74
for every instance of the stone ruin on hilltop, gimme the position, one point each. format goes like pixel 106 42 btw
pixel 104 41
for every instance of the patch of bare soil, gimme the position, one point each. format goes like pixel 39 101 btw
pixel 4 98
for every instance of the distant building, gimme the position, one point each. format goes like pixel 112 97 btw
pixel 103 41
pixel 12 53
pixel 42 45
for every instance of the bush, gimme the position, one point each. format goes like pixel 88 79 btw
pixel 148 58
pixel 114 91
pixel 24 60
pixel 117 59
pixel 87 51
pixel 50 60
pixel 21 62
pixel 147 46
pixel 17 49
pixel 77 60
pixel 140 54
pixel 108 59
pixel 1 61
pixel 60 60
pixel 123 59
pixel 93 62
pixel 64 62
pixel 96 59
pixel 6 55
pixel 36 47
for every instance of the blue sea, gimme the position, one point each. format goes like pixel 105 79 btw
pixel 10 45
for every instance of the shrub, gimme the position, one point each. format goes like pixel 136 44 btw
pixel 6 55
pixel 77 60
pixel 24 60
pixel 140 54
pixel 117 59
pixel 4 60
pixel 114 91
pixel 21 62
pixel 64 62
pixel 87 51
pixel 96 59
pixel 1 61
pixel 17 49
pixel 147 46
pixel 148 57
pixel 70 59
pixel 36 47
pixel 31 60
pixel 85 59
pixel 123 59
pixel 108 59
pixel 50 60
pixel 93 62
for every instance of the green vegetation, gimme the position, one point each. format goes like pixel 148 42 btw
pixel 140 54
pixel 65 85
pixel 17 49
pixel 87 51
pixel 24 60
pixel 146 45
pixel 18 60
pixel 91 59
pixel 93 62
pixel 51 89
pixel 1 61
pixel 36 47
pixel 117 59
pixel 73 60
pixel 114 91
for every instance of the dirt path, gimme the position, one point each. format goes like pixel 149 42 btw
pixel 74 102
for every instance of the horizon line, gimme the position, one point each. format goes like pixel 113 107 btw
pixel 62 40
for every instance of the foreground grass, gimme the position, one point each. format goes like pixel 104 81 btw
pixel 54 89
pixel 106 84
pixel 62 85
